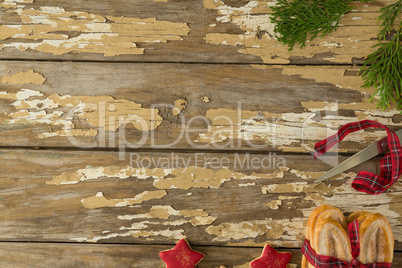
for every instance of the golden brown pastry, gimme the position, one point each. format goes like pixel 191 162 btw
pixel 327 233
pixel 331 239
pixel 323 212
pixel 360 213
pixel 376 239
pixel 315 221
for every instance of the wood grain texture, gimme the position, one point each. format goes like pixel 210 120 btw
pixel 95 255
pixel 208 107
pixel 137 155
pixel 142 198
pixel 213 31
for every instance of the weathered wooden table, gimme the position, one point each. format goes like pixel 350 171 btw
pixel 128 125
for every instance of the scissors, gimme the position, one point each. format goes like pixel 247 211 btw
pixel 360 157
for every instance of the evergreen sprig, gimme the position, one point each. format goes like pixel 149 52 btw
pixel 388 16
pixel 299 20
pixel 383 68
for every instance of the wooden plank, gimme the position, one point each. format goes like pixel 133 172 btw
pixel 90 255
pixel 213 31
pixel 95 255
pixel 150 198
pixel 185 106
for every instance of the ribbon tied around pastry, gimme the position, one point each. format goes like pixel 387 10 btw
pixel 321 261
pixel 391 164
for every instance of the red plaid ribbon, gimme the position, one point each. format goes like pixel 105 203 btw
pixel 320 261
pixel 390 165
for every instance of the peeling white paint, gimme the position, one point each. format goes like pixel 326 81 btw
pixel 170 234
pixel 34 108
pixel 306 175
pixel 275 188
pixel 288 230
pixel 331 44
pixel 96 33
pixel 236 231
pixel 244 17
pixel 294 131
pixel 100 201
pixel 179 178
pixel 246 184
pixel 258 36
pixel 136 226
pixel 274 204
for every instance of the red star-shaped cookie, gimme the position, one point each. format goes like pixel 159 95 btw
pixel 271 258
pixel 181 256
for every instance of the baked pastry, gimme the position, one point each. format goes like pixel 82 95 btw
pixel 376 239
pixel 323 212
pixel 316 230
pixel 361 214
pixel 327 233
pixel 331 239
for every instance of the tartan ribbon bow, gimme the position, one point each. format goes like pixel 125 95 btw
pixel 390 165
pixel 321 261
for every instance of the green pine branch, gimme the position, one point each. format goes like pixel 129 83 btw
pixel 383 68
pixel 388 16
pixel 300 20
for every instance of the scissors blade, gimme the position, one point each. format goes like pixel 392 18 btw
pixel 360 157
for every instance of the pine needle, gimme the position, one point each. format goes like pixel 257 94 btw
pixel 382 69
pixel 388 16
pixel 301 20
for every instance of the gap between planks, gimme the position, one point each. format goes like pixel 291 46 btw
pixel 120 255
pixel 358 63
pixel 140 244
pixel 167 150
